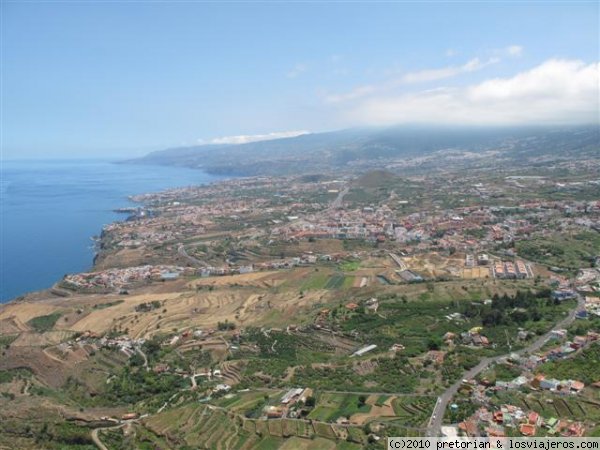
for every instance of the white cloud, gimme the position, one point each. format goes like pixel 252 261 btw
pixel 514 50
pixel 557 91
pixel 511 51
pixel 450 53
pixel 246 138
pixel 355 93
pixel 423 76
pixel 297 70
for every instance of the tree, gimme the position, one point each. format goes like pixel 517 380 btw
pixel 434 343
pixel 310 401
pixel 362 399
pixel 492 318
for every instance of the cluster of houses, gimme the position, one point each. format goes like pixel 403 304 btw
pixel 592 306
pixel 286 263
pixel 489 422
pixel 290 405
pixel 495 423
pixel 120 278
pixel 131 276
pixel 541 383
pixel 123 343
pixel 370 306
pixel 482 260
pixel 444 229
pixel 470 337
pixel 510 270
pixel 588 279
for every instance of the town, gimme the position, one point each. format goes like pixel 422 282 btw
pixel 344 308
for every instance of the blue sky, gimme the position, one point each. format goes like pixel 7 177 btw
pixel 93 78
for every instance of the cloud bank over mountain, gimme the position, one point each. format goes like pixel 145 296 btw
pixel 558 91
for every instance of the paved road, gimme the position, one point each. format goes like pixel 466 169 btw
pixel 182 252
pixel 337 203
pixel 399 394
pixel 398 261
pixel 435 422
pixel 143 355
pixel 97 440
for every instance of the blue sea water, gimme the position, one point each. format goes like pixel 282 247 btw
pixel 51 209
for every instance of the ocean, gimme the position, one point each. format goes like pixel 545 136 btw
pixel 50 210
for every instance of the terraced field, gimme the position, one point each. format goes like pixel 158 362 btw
pixel 415 410
pixel 204 426
pixel 564 407
pixel 338 281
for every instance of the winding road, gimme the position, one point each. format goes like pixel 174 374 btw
pixel 183 252
pixel 435 422
pixel 144 357
pixel 97 440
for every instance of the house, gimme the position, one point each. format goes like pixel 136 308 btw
pixel 397 348
pixel 372 304
pixel 549 384
pixel 527 429
pixel 552 422
pixel 558 334
pixel 497 432
pixel 533 418
pixel 564 294
pixel 469 427
pixel 537 381
pixel 576 386
pixel 579 341
pixel 522 335
pixel 246 269
pixel 575 430
pixel 520 381
pixel 436 356
pixel 160 368
pixel 478 339
pixel 364 350
pixel 291 396
pixel 449 336
pixel 483 260
pixel 274 412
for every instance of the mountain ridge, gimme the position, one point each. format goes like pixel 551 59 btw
pixel 344 149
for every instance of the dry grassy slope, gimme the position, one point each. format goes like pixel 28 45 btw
pixel 265 298
pixel 244 299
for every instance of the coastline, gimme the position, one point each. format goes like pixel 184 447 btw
pixel 68 204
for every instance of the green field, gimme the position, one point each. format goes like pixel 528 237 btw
pixel 315 281
pixel 337 281
pixel 332 406
pixel 44 323
pixel 583 367
pixel 349 266
pixel 571 252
